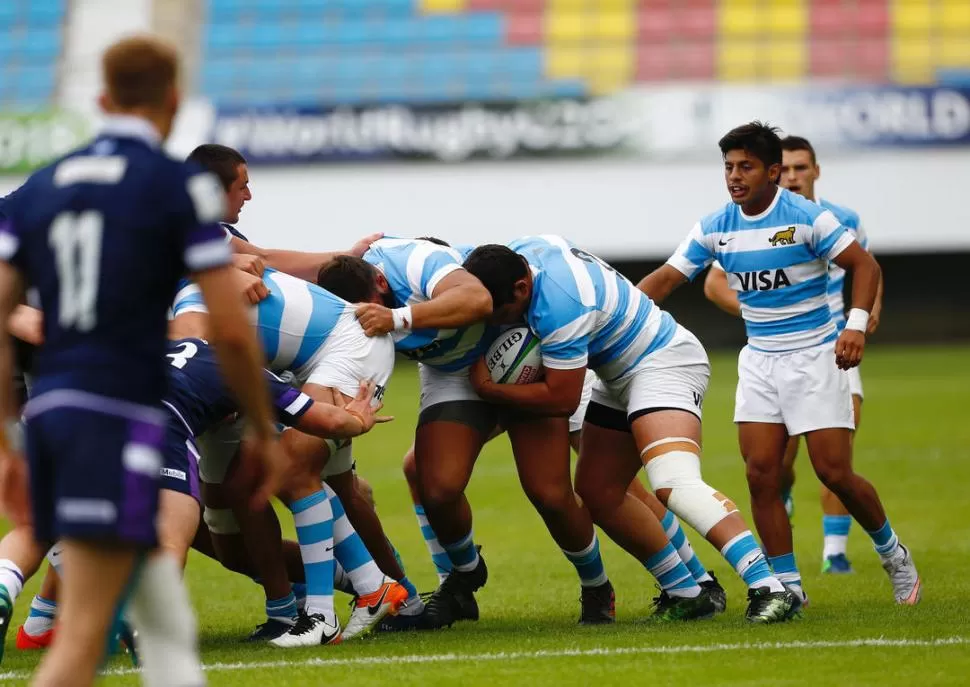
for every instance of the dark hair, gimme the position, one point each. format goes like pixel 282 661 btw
pixel 435 240
pixel 221 160
pixel 757 138
pixel 348 277
pixel 498 268
pixel 798 143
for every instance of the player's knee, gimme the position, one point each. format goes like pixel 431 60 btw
pixel 410 469
pixel 676 479
pixel 439 493
pixel 834 475
pixel 600 498
pixel 550 497
pixel 220 521
pixel 763 475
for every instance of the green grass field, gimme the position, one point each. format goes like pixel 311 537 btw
pixel 914 445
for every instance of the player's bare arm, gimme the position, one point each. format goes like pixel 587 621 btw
pixel 865 273
pixel 458 300
pixel 297 263
pixel 661 282
pixel 242 360
pixel 27 324
pixel 252 287
pixel 876 315
pixel 718 291
pixel 556 395
pixel 343 420
pixel 13 469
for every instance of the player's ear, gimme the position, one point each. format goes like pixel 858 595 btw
pixel 774 172
pixel 105 103
pixel 382 285
pixel 818 171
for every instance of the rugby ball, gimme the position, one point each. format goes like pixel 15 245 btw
pixel 514 358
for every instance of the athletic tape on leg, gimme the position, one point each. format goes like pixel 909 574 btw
pixel 691 499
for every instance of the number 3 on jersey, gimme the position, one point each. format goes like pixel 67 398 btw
pixel 186 352
pixel 76 242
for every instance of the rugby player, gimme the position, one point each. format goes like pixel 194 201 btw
pixel 799 173
pixel 104 234
pixel 645 410
pixel 776 246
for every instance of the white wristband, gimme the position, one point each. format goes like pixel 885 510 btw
pixel 402 318
pixel 858 319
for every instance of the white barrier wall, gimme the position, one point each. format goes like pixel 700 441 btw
pixel 910 200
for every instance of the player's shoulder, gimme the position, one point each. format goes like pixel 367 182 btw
pixel 720 220
pixel 847 216
pixel 793 208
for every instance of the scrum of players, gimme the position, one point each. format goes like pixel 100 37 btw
pixel 154 426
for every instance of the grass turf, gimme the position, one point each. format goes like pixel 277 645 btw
pixel 913 445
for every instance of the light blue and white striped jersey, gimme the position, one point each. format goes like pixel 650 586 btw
pixel 413 268
pixel 777 261
pixel 585 313
pixel 292 323
pixel 836 285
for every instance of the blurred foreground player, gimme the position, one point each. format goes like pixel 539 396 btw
pixel 104 234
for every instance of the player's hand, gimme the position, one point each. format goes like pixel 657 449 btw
pixel 873 322
pixel 363 407
pixel 481 378
pixel 253 288
pixel 359 248
pixel 848 349
pixel 14 493
pixel 267 464
pixel 253 264
pixel 375 319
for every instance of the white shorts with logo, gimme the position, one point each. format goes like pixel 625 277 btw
pixel 217 448
pixel 855 381
pixel 675 376
pixel 577 418
pixel 803 390
pixel 442 387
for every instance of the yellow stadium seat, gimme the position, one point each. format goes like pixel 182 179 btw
pixel 567 27
pixel 609 67
pixel 953 53
pixel 738 60
pixel 612 26
pixel 911 17
pixel 912 61
pixel 443 6
pixel 740 19
pixel 565 62
pixel 787 19
pixel 590 5
pixel 953 16
pixel 788 60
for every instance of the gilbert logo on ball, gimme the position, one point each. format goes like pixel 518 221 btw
pixel 514 358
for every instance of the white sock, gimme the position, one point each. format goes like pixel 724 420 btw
pixel 834 544
pixel 11 579
pixel 161 612
pixel 350 551
pixel 41 617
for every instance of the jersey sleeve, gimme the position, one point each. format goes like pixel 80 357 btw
pixel 693 254
pixel 290 403
pixel 861 236
pixel 829 237
pixel 205 245
pixel 563 326
pixel 188 299
pixel 428 265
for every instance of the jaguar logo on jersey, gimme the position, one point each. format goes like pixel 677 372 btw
pixel 765 280
pixel 785 237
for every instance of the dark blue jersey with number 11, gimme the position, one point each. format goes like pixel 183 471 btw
pixel 104 234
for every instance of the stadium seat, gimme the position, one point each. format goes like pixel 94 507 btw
pixel 912 61
pixel 655 24
pixel 524 28
pixel 696 21
pixel 739 18
pixel 564 62
pixel 830 19
pixel 954 17
pixel 610 67
pixel 953 52
pixel 871 18
pixel 694 61
pixel 788 59
pixel 871 59
pixel 612 26
pixel 566 27
pixel 912 17
pixel 442 6
pixel 785 18
pixel 736 60
pixel 654 61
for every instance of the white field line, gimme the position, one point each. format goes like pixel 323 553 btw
pixel 385 660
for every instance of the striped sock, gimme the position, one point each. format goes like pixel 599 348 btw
pixel 671 573
pixel 299 593
pixel 340 580
pixel 313 517
pixel 350 551
pixel 884 540
pixel 835 530
pixel 282 610
pixel 785 570
pixel 41 616
pixel 439 556
pixel 463 554
pixel 11 579
pixel 745 556
pixel 675 533
pixel 589 564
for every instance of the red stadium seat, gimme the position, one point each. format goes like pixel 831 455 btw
pixel 871 58
pixel 830 57
pixel 694 60
pixel 654 61
pixel 524 28
pixel 830 19
pixel 696 21
pixel 655 23
pixel 871 18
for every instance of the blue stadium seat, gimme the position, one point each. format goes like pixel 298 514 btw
pixel 8 14
pixel 42 45
pixel 564 88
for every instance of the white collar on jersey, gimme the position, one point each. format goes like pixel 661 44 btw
pixel 129 126
pixel 767 210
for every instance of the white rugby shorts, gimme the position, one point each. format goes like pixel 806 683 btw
pixel 855 381
pixel 675 376
pixel 803 390
pixel 577 418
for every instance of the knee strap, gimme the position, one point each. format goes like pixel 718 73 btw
pixel 690 497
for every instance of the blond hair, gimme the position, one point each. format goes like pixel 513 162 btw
pixel 140 71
